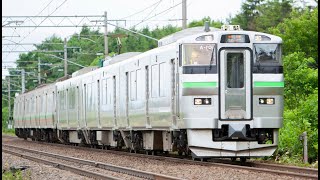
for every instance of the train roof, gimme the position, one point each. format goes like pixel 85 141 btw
pixel 216 37
pixel 183 33
pixel 120 57
pixel 37 89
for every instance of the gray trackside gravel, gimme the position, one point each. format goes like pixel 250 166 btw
pixel 180 170
pixel 81 166
pixel 38 171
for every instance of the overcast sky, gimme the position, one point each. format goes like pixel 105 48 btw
pixel 116 9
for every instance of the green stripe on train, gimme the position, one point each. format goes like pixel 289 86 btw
pixel 268 84
pixel 199 84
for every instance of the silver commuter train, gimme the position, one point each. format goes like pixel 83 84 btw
pixel 212 93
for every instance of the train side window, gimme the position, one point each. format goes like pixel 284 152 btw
pixel 139 85
pixel 89 86
pixel 31 107
pixel 104 91
pixel 154 81
pixel 62 100
pixel 44 99
pixel 133 86
pixel 34 104
pixel 109 89
pixel 71 98
pixel 44 104
pixel 162 77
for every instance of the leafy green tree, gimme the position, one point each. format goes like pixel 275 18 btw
pixel 212 23
pixel 246 18
pixel 4 117
pixel 301 82
pixel 300 79
pixel 299 33
pixel 271 13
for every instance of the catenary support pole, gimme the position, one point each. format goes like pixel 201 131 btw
pixel 184 14
pixel 23 85
pixel 65 58
pixel 9 102
pixel 39 75
pixel 105 35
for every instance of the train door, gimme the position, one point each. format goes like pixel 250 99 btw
pixel 115 101
pixel 127 99
pixel 235 83
pixel 77 105
pixel 98 102
pixel 173 92
pixel 147 95
pixel 84 105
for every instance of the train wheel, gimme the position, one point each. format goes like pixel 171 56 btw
pixel 243 159
pixel 196 159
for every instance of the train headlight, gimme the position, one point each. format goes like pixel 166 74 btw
pixel 197 101
pixel 268 101
pixel 202 101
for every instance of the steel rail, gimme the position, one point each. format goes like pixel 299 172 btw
pixel 125 170
pixel 250 166
pixel 62 166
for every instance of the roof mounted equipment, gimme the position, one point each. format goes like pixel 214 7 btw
pixel 206 26
pixel 230 27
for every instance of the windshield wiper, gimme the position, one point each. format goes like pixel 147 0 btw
pixel 211 60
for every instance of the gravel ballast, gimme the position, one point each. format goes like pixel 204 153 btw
pixel 37 171
pixel 180 170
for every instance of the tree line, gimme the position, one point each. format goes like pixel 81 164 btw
pixel 296 25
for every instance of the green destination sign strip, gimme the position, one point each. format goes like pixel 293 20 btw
pixel 268 84
pixel 199 84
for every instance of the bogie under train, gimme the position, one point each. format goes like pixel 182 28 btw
pixel 213 93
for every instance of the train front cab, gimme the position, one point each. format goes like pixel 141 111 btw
pixel 246 104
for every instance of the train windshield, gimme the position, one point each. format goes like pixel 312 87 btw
pixel 199 54
pixel 268 53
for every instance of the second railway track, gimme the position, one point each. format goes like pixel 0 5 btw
pixel 292 171
pixel 124 170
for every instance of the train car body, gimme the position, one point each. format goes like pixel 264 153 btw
pixel 209 94
pixel 34 114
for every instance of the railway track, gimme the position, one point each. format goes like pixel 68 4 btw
pixel 132 172
pixel 292 171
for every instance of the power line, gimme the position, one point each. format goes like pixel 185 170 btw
pixel 39 12
pixel 163 11
pixel 39 24
pixel 149 13
pixel 17 61
pixel 141 10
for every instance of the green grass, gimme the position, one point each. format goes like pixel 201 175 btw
pixel 8 175
pixel 8 132
pixel 286 160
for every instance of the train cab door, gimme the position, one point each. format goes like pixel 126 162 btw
pixel 235 84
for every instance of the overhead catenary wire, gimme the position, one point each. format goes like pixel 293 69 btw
pixel 39 25
pixel 148 14
pixel 170 8
pixel 14 31
pixel 140 10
